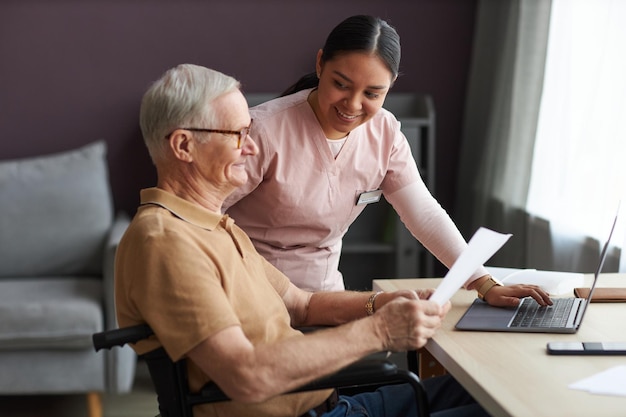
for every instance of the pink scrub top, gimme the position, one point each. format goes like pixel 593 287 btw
pixel 299 200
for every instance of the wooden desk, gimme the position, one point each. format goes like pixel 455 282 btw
pixel 510 374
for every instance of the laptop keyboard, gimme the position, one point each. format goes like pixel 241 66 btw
pixel 531 314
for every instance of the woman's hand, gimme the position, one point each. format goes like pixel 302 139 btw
pixel 509 296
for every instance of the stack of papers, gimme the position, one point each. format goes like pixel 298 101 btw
pixel 609 382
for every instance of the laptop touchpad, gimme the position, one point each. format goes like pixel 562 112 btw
pixel 482 316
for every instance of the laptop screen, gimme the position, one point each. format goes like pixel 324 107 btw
pixel 603 254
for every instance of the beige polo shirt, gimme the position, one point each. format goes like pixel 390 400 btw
pixel 190 273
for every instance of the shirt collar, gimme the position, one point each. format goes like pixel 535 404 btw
pixel 183 209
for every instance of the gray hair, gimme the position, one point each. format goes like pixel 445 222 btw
pixel 183 96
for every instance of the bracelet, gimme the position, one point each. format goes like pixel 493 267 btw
pixel 369 305
pixel 486 286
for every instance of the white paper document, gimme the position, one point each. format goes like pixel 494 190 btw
pixel 609 382
pixel 479 249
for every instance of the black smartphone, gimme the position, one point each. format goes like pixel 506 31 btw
pixel 586 348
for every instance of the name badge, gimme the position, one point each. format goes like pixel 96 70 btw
pixel 369 197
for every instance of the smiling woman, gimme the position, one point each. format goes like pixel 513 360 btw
pixel 351 90
pixel 326 145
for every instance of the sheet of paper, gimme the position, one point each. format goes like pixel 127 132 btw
pixel 609 382
pixel 479 249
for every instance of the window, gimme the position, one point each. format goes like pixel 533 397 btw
pixel 579 167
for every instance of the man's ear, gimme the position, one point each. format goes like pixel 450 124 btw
pixel 182 145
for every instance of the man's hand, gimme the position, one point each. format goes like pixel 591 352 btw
pixel 419 294
pixel 407 324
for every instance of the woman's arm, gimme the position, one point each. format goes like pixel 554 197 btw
pixel 429 223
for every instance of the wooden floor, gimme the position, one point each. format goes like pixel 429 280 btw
pixel 140 403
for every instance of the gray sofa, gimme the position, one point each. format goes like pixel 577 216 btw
pixel 58 236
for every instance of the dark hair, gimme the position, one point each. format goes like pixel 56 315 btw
pixel 357 33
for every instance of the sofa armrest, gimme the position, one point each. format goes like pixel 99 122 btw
pixel 121 222
pixel 121 362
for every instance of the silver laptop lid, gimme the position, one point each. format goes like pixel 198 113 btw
pixel 603 254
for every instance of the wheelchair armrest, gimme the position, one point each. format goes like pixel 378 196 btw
pixel 120 337
pixel 363 372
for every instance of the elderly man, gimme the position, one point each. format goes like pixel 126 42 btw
pixel 196 279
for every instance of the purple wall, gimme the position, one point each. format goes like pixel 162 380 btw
pixel 72 72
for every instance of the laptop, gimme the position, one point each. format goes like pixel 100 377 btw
pixel 564 316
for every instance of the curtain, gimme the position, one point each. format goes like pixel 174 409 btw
pixel 502 105
pixel 579 174
pixel 504 158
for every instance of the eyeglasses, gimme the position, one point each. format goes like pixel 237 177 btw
pixel 242 134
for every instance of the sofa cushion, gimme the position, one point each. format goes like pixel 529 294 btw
pixel 59 313
pixel 55 212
